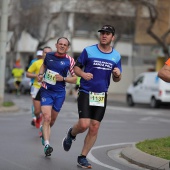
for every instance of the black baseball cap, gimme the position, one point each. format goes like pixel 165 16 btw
pixel 107 28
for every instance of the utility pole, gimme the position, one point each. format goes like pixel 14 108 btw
pixel 3 44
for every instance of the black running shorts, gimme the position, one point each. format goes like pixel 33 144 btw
pixel 87 111
pixel 38 96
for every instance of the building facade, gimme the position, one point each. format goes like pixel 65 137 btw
pixel 79 20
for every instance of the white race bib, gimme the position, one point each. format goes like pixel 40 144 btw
pixel 96 99
pixel 50 77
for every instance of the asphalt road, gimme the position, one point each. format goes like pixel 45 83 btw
pixel 21 147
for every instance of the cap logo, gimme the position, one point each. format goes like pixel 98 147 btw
pixel 105 27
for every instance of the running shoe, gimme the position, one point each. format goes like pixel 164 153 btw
pixel 38 122
pixel 48 150
pixel 83 163
pixel 67 141
pixel 33 122
pixel 41 135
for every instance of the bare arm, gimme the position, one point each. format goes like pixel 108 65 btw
pixel 79 72
pixel 164 73
pixel 116 75
pixel 42 69
pixel 31 75
pixel 41 72
pixel 71 80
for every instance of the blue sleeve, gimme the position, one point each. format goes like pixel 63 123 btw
pixel 118 62
pixel 119 65
pixel 83 57
pixel 45 60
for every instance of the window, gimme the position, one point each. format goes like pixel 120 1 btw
pixel 138 81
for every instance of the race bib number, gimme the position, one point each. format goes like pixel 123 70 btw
pixel 50 77
pixel 96 99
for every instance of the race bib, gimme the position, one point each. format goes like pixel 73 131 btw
pixel 96 99
pixel 50 77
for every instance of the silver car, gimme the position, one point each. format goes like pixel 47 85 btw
pixel 24 86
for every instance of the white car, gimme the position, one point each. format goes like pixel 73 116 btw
pixel 148 88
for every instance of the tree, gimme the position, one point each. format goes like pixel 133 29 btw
pixel 156 23
pixel 35 18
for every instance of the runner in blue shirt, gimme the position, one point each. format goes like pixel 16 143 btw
pixel 95 66
pixel 54 72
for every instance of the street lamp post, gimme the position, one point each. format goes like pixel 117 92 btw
pixel 3 44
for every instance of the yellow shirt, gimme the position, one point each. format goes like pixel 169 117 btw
pixel 17 73
pixel 35 68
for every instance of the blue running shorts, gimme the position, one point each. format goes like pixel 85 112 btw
pixel 52 98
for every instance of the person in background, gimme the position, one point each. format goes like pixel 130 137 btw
pixel 17 73
pixel 54 76
pixel 76 88
pixel 32 81
pixel 45 50
pixel 164 72
pixel 33 72
pixel 95 66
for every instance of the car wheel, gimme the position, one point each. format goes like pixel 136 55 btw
pixel 154 103
pixel 129 100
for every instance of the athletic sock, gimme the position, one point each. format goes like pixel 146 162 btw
pixel 82 156
pixel 73 137
pixel 46 142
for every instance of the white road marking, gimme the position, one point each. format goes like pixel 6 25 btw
pixel 154 119
pixel 138 111
pixel 93 159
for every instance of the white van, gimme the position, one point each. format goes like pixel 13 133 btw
pixel 148 88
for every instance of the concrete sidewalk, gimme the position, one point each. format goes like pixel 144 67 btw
pixel 4 109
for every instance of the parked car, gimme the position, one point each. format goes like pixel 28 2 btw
pixel 24 86
pixel 148 88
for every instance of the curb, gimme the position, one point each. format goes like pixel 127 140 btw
pixel 9 109
pixel 136 156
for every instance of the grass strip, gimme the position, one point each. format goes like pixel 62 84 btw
pixel 159 147
pixel 8 104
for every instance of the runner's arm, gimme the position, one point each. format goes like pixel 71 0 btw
pixel 41 72
pixel 79 72
pixel 164 73
pixel 71 80
pixel 116 74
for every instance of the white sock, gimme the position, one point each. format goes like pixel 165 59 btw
pixel 46 142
